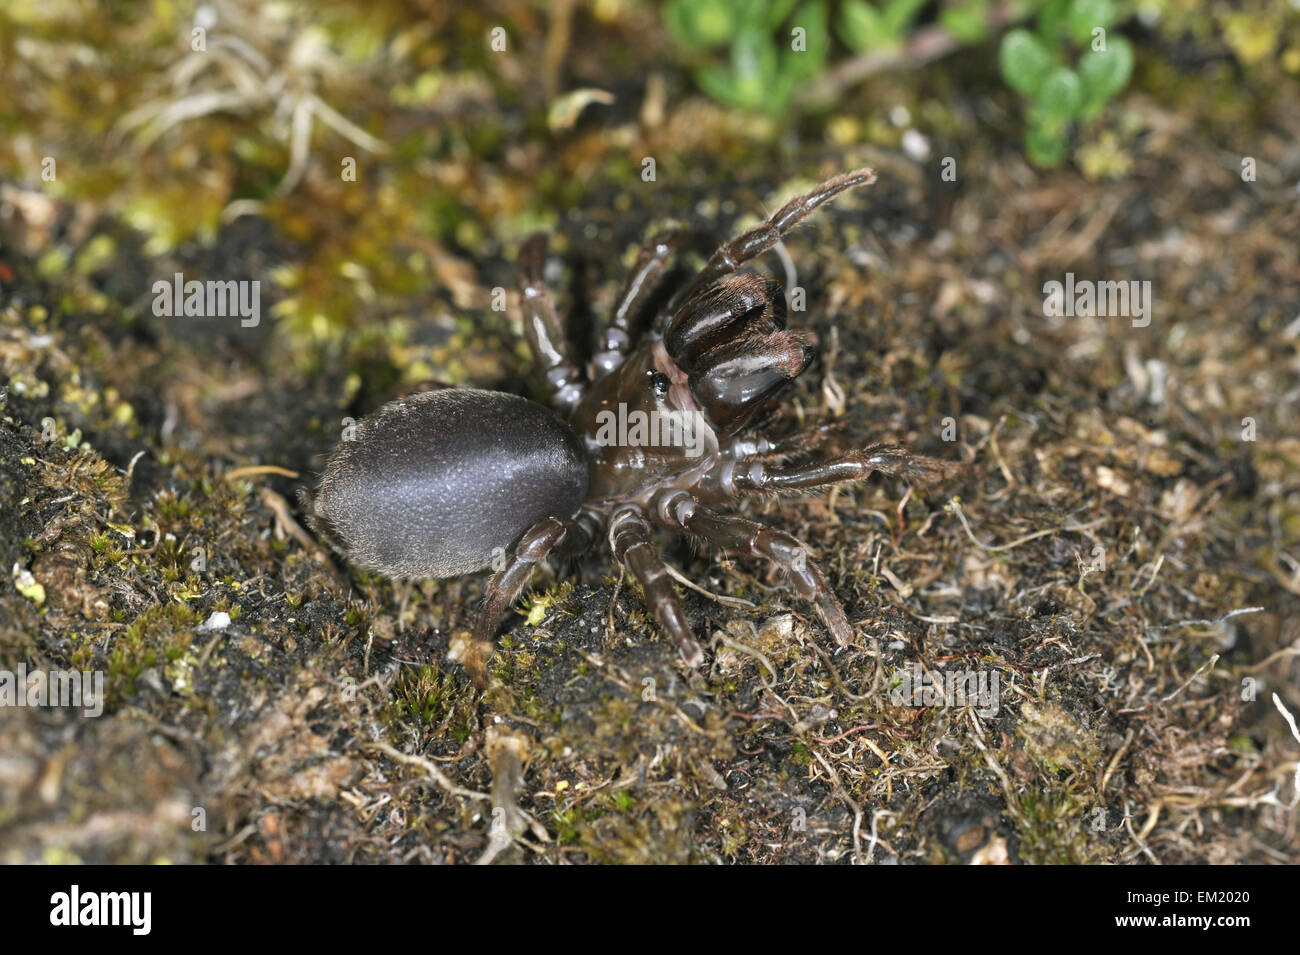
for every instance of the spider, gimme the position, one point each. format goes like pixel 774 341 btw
pixel 663 431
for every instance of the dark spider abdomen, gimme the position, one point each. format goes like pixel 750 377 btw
pixel 437 484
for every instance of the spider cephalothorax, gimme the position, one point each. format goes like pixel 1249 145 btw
pixel 658 433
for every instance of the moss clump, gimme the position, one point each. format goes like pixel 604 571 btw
pixel 161 634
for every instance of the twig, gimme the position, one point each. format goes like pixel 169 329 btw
pixel 998 771
pixel 849 800
pixel 1208 664
pixel 955 507
pixel 1114 761
pixel 1290 721
pixel 1128 824
pixel 720 637
pixel 436 774
pixel 871 846
pixel 922 47
pixel 1208 623
pixel 278 506
pixel 735 603
pixel 254 469
pixel 1291 651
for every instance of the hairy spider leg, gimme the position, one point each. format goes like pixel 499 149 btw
pixel 759 239
pixel 850 466
pixel 756 540
pixel 646 279
pixel 508 583
pixel 542 327
pixel 631 540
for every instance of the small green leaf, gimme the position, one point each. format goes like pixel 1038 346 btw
pixel 801 65
pixel 1104 74
pixel 565 109
pixel 862 27
pixel 967 22
pixel 776 99
pixel 778 10
pixel 720 84
pixel 753 56
pixel 701 22
pixel 1045 147
pixel 898 15
pixel 747 82
pixel 1087 15
pixel 1024 61
pixel 1058 100
pixel 1051 21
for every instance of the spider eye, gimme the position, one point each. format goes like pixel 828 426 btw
pixel 660 383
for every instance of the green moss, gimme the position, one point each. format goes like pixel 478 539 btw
pixel 1056 830
pixel 429 696
pixel 159 634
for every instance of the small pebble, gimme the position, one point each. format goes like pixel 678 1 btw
pixel 916 146
pixel 219 620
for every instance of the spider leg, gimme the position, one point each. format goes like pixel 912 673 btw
pixel 850 466
pixel 507 583
pixel 683 512
pixel 646 278
pixel 631 541
pixel 807 438
pixel 762 237
pixel 756 447
pixel 542 327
